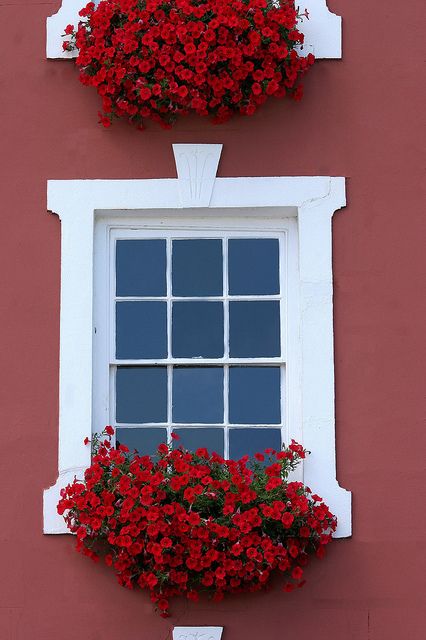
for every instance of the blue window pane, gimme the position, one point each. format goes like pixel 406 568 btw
pixel 198 394
pixel 254 329
pixel 145 440
pixel 141 394
pixel 141 330
pixel 250 441
pixel 141 267
pixel 254 395
pixel 197 329
pixel 197 268
pixel 254 266
pixel 192 439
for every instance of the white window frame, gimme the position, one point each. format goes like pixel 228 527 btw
pixel 311 201
pixel 232 224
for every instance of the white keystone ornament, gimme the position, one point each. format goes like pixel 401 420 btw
pixel 197 633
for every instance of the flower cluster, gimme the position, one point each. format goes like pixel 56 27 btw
pixel 181 523
pixel 157 59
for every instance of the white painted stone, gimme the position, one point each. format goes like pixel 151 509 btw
pixel 197 633
pixel 55 25
pixel 311 200
pixel 323 30
pixel 196 166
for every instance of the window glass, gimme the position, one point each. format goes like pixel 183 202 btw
pixel 145 440
pixel 254 329
pixel 141 394
pixel 254 395
pixel 141 330
pixel 197 267
pixel 197 330
pixel 254 266
pixel 249 441
pixel 141 268
pixel 209 438
pixel 197 394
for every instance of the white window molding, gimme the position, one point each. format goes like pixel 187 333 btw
pixel 312 201
pixel 323 30
pixel 197 633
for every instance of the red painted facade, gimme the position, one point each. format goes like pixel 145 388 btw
pixel 360 119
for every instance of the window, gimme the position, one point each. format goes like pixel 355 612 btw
pixel 196 314
pixel 296 212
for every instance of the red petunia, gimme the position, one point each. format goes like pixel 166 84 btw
pixel 210 58
pixel 182 522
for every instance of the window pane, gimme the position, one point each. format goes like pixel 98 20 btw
pixel 197 329
pixel 250 441
pixel 192 439
pixel 141 267
pixel 254 329
pixel 198 394
pixel 197 268
pixel 141 394
pixel 254 266
pixel 141 330
pixel 145 440
pixel 254 395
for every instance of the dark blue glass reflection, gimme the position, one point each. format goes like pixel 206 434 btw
pixel 141 394
pixel 250 441
pixel 141 267
pixel 254 395
pixel 145 440
pixel 197 329
pixel 254 329
pixel 141 330
pixel 197 394
pixel 197 268
pixel 253 266
pixel 192 439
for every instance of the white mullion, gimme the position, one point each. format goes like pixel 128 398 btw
pixel 226 351
pixel 283 270
pixel 226 411
pixel 169 402
pixel 261 362
pixel 169 295
pixel 112 330
pixel 112 301
pixel 242 298
pixel 283 403
pixel 169 337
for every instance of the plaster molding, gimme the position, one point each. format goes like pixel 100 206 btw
pixel 310 200
pixel 196 166
pixel 323 30
pixel 197 633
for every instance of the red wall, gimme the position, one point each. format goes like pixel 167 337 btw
pixel 360 118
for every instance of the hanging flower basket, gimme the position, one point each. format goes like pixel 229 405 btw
pixel 183 523
pixel 158 59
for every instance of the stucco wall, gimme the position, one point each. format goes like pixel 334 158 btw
pixel 360 118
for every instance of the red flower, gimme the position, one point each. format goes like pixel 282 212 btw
pixel 211 58
pixel 182 522
pixel 109 430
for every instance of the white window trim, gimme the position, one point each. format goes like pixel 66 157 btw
pixel 323 30
pixel 311 200
pixel 235 224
